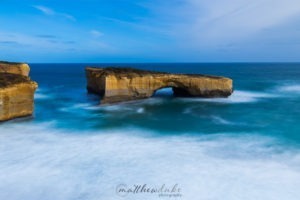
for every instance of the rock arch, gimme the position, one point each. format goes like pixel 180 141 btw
pixel 125 84
pixel 179 90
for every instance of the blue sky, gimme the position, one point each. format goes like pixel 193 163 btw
pixel 150 30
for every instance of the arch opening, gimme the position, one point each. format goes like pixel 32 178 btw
pixel 171 91
pixel 165 92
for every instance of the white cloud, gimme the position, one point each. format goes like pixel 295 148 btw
pixel 236 19
pixel 51 12
pixel 96 33
pixel 25 43
pixel 45 10
pixel 33 42
pixel 215 22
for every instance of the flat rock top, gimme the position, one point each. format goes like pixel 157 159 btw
pixel 7 79
pixel 122 71
pixel 132 72
pixel 11 63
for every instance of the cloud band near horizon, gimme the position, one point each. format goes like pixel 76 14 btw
pixel 150 31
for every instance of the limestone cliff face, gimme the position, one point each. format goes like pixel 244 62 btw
pixel 14 68
pixel 16 91
pixel 124 84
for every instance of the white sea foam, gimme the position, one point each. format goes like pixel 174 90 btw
pixel 237 96
pixel 40 96
pixel 40 162
pixel 140 110
pixel 133 106
pixel 216 119
pixel 75 107
pixel 41 93
pixel 289 88
pixel 117 107
pixel 188 110
pixel 110 108
pixel 220 120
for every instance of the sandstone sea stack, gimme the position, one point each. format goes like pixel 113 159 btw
pixel 16 91
pixel 125 84
pixel 14 68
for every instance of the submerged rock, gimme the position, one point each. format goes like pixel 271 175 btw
pixel 16 91
pixel 125 84
pixel 14 68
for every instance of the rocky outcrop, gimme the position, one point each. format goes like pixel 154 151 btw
pixel 14 68
pixel 125 84
pixel 16 91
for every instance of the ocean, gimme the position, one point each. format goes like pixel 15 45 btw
pixel 246 146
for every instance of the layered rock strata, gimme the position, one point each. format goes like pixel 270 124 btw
pixel 14 68
pixel 16 91
pixel 125 84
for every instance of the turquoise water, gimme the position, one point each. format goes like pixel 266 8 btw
pixel 243 147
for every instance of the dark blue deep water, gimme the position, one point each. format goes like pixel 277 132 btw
pixel 242 147
pixel 266 100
